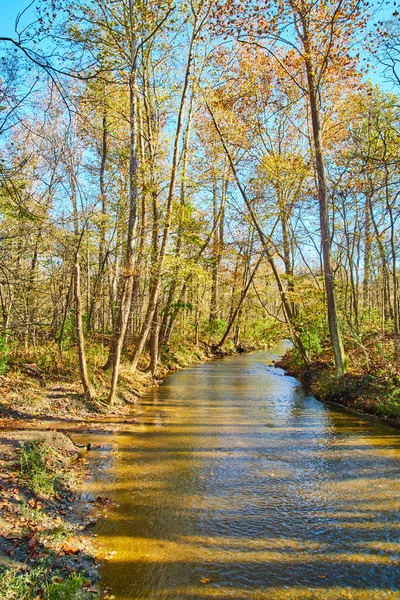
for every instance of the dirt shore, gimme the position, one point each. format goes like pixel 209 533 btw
pixel 45 538
pixel 42 518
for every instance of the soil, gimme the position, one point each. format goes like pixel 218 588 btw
pixel 35 407
pixel 34 526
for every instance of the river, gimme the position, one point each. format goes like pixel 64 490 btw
pixel 234 483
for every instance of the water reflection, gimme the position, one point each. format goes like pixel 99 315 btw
pixel 235 484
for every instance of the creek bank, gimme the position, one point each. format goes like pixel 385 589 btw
pixel 373 393
pixel 44 533
pixel 44 550
pixel 37 395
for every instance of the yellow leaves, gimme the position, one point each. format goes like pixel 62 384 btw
pixel 285 171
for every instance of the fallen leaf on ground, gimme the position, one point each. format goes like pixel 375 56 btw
pixel 69 549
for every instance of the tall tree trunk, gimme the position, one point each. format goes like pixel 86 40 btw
pixel 168 216
pixel 178 247
pixel 129 267
pixel 393 248
pixel 239 306
pixel 266 243
pixel 329 278
pixel 142 238
pixel 98 288
pixel 30 292
pixel 154 338
pixel 89 391
pixel 386 305
pixel 174 313
pixel 214 263
pixel 367 256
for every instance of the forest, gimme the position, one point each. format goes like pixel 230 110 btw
pixel 183 181
pixel 192 178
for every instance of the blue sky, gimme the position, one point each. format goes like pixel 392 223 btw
pixel 9 9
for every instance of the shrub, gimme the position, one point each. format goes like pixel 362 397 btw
pixel 69 589
pixel 216 326
pixel 390 407
pixel 21 585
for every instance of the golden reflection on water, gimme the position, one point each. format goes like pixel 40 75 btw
pixel 234 483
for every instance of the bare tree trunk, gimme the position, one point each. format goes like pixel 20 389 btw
pixel 386 306
pixel 367 256
pixel 174 314
pixel 168 217
pixel 128 275
pixel 266 246
pixel 393 248
pixel 334 329
pixel 178 247
pixel 351 277
pixel 154 338
pixel 215 253
pixel 31 285
pixel 98 288
pixel 142 237
pixel 239 306
pixel 89 391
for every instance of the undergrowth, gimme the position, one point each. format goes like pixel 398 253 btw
pixel 371 384
pixel 42 582
pixel 390 406
pixel 4 355
pixel 34 470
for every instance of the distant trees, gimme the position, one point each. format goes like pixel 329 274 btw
pixel 197 193
pixel 387 50
pixel 370 198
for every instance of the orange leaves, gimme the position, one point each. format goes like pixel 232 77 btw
pixel 69 550
pixel 35 503
pixel 330 28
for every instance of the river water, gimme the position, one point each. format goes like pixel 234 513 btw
pixel 234 483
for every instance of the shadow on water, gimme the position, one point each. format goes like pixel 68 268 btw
pixel 233 483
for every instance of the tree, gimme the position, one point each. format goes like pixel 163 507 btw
pixel 318 36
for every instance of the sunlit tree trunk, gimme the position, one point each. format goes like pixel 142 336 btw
pixel 89 391
pixel 168 216
pixel 367 256
pixel 333 320
pixel 129 266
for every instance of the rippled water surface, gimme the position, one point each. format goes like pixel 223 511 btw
pixel 233 483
